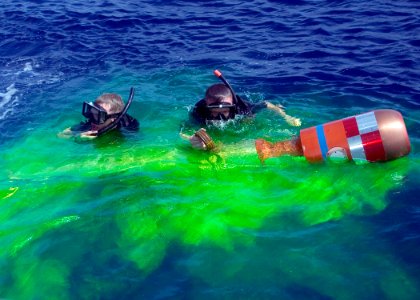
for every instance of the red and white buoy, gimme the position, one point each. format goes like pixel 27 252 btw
pixel 378 135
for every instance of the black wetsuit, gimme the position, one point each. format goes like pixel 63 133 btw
pixel 127 122
pixel 244 108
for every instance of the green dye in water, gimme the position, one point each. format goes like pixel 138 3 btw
pixel 151 192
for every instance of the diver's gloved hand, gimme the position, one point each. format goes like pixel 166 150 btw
pixel 200 140
pixel 197 143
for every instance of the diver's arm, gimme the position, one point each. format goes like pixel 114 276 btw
pixel 279 109
pixel 81 130
pixel 66 133
pixel 90 134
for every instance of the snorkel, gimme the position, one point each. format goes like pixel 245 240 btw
pixel 220 76
pixel 220 109
pixel 121 115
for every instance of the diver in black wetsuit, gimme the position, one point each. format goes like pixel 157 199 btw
pixel 221 104
pixel 108 112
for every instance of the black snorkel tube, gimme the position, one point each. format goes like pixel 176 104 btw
pixel 219 74
pixel 121 115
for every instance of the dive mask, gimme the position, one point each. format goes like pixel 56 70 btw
pixel 221 111
pixel 96 114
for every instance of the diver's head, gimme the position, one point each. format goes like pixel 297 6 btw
pixel 219 103
pixel 103 111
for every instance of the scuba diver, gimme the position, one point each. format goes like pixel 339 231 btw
pixel 106 113
pixel 221 104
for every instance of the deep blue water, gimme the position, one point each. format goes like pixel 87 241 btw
pixel 344 53
pixel 323 60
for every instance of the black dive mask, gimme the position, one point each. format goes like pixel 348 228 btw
pixel 214 111
pixel 96 114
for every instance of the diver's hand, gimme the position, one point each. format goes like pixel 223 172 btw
pixel 205 138
pixel 66 133
pixel 200 140
pixel 292 121
pixel 90 134
pixel 197 142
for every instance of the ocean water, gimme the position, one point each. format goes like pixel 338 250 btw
pixel 144 216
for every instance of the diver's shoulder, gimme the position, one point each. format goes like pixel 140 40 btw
pixel 130 122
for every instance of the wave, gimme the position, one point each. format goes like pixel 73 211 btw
pixel 19 77
pixel 7 101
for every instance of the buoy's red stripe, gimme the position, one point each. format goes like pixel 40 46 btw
pixel 374 148
pixel 350 125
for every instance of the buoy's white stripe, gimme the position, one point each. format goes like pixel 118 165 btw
pixel 366 122
pixel 356 147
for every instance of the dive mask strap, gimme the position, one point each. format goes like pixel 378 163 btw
pixel 120 115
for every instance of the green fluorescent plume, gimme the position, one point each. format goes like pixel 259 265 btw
pixel 140 205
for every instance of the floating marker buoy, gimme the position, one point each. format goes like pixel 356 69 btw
pixel 379 135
